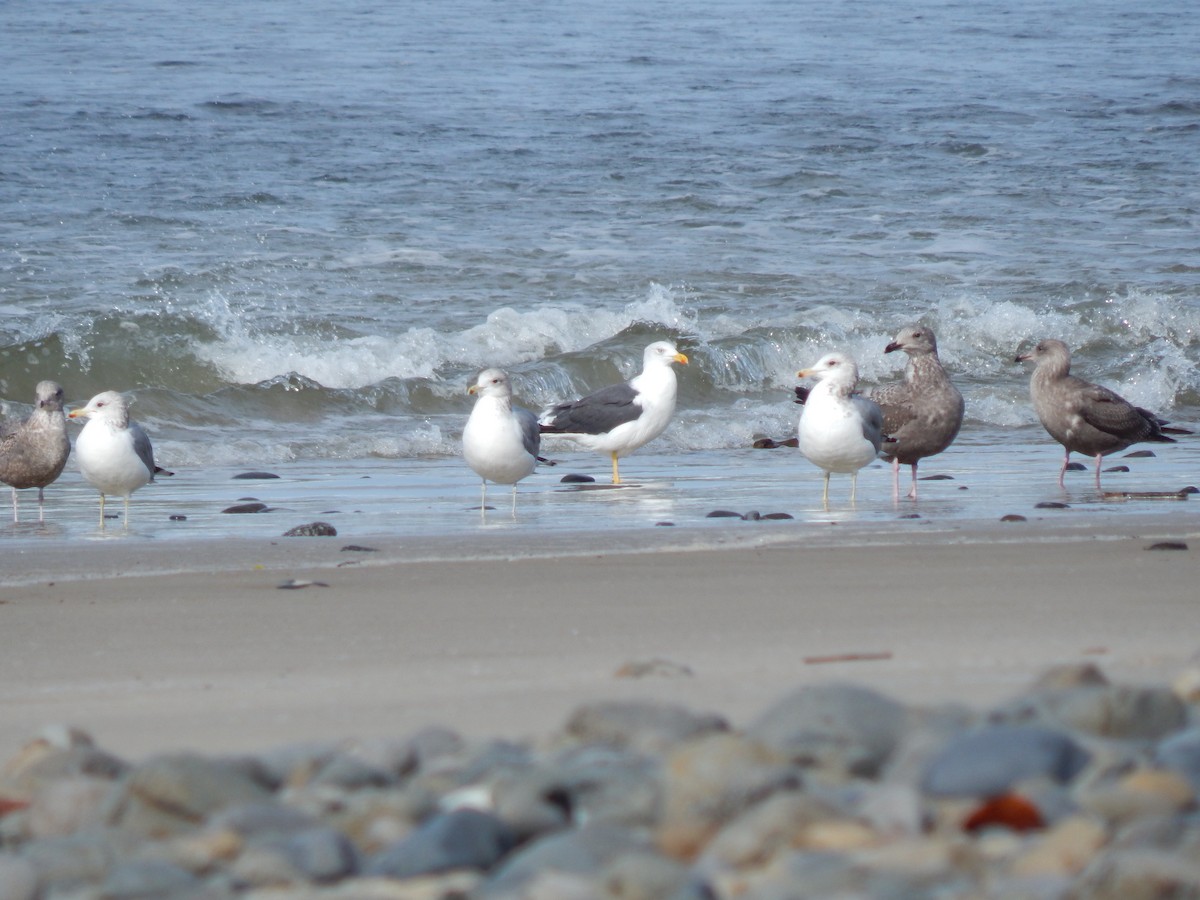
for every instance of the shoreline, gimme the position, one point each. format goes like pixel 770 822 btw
pixel 157 647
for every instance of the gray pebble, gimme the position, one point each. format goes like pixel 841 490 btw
pixel 640 724
pixel 1181 753
pixel 171 794
pixel 322 854
pixel 245 508
pixel 582 851
pixel 988 761
pixel 147 880
pixel 18 878
pixel 462 839
pixel 1127 712
pixel 312 529
pixel 837 727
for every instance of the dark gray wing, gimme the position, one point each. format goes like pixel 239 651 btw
pixel 1112 414
pixel 141 446
pixel 872 417
pixel 531 435
pixel 597 413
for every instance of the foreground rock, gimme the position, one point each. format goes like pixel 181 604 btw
pixel 1077 788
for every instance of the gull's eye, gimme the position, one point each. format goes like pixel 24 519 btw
pixel 917 334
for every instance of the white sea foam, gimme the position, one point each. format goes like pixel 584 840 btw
pixel 505 337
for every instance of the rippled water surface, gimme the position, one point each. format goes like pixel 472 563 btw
pixel 296 235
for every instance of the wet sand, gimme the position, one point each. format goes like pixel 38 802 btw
pixel 155 647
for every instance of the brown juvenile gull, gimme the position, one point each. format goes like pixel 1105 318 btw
pixel 34 452
pixel 922 413
pixel 839 431
pixel 622 417
pixel 500 441
pixel 113 452
pixel 1085 417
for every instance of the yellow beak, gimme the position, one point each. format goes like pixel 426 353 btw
pixel 680 358
pixel 473 389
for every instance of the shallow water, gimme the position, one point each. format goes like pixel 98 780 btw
pixel 295 237
pixel 436 501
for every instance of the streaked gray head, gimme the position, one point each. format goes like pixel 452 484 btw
pixel 1051 353
pixel 49 396
pixel 915 340
pixel 839 368
pixel 492 383
pixel 111 406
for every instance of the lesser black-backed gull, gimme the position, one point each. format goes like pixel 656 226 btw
pixel 623 417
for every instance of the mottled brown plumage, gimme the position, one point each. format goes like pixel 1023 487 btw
pixel 922 413
pixel 1084 417
pixel 34 452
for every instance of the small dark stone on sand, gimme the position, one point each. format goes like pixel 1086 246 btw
pixel 1168 545
pixel 1013 517
pixel 312 529
pixel 911 516
pixel 1117 469
pixel 255 476
pixel 1190 489
pixel 576 478
pixel 724 514
pixel 778 516
pixel 936 478
pixel 1076 467
pixel 762 442
pixel 664 524
pixel 111 516
pixel 355 548
pixel 1139 454
pixel 246 508
pixel 1052 504
pixel 178 518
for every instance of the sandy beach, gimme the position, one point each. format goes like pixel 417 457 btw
pixel 156 647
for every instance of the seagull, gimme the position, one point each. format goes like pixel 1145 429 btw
pixel 34 452
pixel 839 431
pixel 922 413
pixel 622 417
pixel 500 441
pixel 113 451
pixel 1085 417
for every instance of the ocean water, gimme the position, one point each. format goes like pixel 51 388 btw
pixel 295 232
